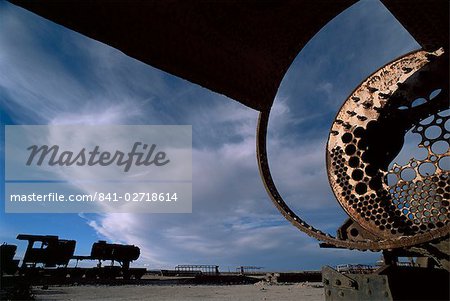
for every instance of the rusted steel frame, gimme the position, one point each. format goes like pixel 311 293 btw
pixel 280 204
pixel 384 103
pixel 388 242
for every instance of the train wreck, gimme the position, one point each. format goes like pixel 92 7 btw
pixel 48 256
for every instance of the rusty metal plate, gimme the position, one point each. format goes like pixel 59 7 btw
pixel 338 286
pixel 409 94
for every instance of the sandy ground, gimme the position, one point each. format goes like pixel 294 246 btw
pixel 304 292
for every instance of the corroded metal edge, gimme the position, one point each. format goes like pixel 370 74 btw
pixel 280 204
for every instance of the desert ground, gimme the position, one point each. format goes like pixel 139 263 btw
pixel 258 291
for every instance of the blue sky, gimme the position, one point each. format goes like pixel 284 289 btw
pixel 51 75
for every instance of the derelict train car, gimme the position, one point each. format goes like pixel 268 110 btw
pixel 47 257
